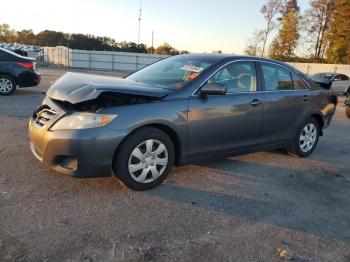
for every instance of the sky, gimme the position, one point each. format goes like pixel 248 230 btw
pixel 197 25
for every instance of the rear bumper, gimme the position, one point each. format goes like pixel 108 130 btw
pixel 29 78
pixel 78 153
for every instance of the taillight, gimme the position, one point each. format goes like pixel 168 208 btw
pixel 27 65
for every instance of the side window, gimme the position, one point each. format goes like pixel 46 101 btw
pixel 337 78
pixel 276 78
pixel 298 84
pixel 237 77
pixel 344 78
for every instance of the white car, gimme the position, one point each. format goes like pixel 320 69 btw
pixel 339 83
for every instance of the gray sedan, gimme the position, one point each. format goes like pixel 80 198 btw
pixel 177 111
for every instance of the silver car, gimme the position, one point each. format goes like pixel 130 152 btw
pixel 339 83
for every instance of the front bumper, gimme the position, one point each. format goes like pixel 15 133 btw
pixel 78 153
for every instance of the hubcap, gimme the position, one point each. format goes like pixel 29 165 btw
pixel 148 161
pixel 5 85
pixel 308 138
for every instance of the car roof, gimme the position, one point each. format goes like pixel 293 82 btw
pixel 16 55
pixel 327 73
pixel 222 57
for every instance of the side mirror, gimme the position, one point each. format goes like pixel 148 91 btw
pixel 215 89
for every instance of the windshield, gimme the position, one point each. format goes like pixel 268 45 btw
pixel 173 73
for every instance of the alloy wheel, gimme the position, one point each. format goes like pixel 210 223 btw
pixel 308 138
pixel 148 161
pixel 5 85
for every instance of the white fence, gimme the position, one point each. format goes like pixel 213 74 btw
pixel 59 55
pixel 99 60
pixel 122 61
pixel 311 69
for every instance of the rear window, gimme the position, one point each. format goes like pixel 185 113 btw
pixel 4 56
pixel 7 55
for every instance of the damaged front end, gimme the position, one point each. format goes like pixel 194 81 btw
pixel 91 93
pixel 103 101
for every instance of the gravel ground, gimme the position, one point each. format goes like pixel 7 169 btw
pixel 256 207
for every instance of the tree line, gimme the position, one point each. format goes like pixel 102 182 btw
pixel 80 41
pixel 322 32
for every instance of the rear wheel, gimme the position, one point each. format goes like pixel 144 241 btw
pixel 144 159
pixel 7 85
pixel 306 139
pixel 348 92
pixel 347 111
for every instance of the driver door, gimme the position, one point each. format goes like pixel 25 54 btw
pixel 225 123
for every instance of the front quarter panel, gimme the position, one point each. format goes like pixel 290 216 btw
pixel 169 113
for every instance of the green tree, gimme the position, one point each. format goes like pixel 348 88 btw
pixel 50 38
pixel 284 44
pixel 338 50
pixel 26 37
pixel 7 34
pixel 166 49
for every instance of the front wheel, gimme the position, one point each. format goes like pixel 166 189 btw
pixel 144 159
pixel 306 139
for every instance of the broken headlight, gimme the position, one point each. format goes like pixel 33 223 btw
pixel 82 121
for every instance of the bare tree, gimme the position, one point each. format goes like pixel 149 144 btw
pixel 254 43
pixel 269 10
pixel 318 19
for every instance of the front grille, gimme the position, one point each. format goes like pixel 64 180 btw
pixel 43 115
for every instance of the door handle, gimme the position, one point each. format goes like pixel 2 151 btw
pixel 306 98
pixel 256 102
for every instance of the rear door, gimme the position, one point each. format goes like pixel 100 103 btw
pixel 340 84
pixel 223 123
pixel 287 101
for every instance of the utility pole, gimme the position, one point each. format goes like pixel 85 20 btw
pixel 152 42
pixel 140 18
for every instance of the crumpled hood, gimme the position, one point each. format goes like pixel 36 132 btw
pixel 75 88
pixel 322 82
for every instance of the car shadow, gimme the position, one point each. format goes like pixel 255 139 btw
pixel 308 202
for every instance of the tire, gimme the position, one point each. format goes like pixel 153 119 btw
pixel 347 111
pixel 141 167
pixel 347 93
pixel 7 85
pixel 310 130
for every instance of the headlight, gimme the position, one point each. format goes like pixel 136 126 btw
pixel 82 121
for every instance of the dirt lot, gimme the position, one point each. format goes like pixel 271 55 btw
pixel 238 209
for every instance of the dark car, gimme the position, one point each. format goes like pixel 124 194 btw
pixel 16 70
pixel 338 83
pixel 177 111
